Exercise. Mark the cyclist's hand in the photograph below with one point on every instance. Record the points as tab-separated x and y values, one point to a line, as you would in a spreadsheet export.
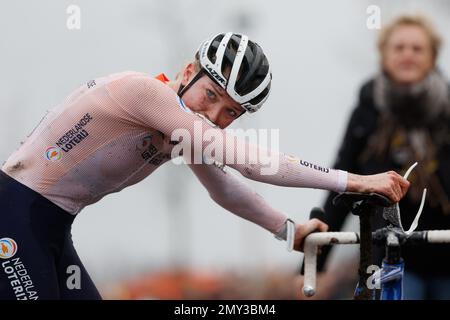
389	184
302	230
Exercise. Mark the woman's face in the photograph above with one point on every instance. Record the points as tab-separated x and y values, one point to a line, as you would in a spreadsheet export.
210	100
407	56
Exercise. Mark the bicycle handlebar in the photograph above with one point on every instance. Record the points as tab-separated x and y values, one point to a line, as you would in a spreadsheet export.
314	240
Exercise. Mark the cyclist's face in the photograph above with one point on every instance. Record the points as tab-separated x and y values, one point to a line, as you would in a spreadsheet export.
210	100
407	57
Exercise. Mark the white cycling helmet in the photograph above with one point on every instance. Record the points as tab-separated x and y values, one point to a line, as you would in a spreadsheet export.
249	74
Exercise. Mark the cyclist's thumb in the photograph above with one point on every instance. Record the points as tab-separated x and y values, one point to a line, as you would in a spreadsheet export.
314	225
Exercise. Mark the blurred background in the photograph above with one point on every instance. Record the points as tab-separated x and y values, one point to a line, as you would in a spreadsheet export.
165	238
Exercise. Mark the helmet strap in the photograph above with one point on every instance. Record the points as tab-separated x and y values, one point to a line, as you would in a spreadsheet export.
183	89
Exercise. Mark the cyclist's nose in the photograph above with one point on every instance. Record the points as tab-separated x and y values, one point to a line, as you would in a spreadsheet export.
213	116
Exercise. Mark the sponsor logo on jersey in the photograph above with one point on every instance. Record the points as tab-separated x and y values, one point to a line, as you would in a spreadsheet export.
146	141
313	166
75	135
150	149
16	271
8	248
53	153
293	159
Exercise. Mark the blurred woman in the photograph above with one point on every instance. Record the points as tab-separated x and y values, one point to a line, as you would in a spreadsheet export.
403	116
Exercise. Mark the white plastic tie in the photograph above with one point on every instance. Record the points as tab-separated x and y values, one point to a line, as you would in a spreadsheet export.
415	222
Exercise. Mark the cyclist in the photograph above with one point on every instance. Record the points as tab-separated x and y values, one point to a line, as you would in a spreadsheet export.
116	130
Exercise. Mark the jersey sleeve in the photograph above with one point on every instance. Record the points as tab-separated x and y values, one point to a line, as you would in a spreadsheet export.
148	102
234	195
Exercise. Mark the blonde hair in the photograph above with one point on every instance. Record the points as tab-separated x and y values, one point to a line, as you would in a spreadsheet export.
411	20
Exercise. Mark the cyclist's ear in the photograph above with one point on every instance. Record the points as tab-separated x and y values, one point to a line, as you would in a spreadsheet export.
187	74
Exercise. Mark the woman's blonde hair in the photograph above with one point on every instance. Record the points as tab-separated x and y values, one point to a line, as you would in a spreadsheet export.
411	20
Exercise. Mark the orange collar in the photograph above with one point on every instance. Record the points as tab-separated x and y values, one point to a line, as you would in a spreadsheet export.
162	77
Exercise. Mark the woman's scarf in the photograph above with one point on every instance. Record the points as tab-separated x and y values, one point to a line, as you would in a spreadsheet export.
413	126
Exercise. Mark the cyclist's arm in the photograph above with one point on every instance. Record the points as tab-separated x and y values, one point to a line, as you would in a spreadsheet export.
149	103
234	195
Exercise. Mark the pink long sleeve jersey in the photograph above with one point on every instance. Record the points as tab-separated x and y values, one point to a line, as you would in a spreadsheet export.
114	131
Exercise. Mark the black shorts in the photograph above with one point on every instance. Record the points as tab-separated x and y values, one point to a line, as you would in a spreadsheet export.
37	256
